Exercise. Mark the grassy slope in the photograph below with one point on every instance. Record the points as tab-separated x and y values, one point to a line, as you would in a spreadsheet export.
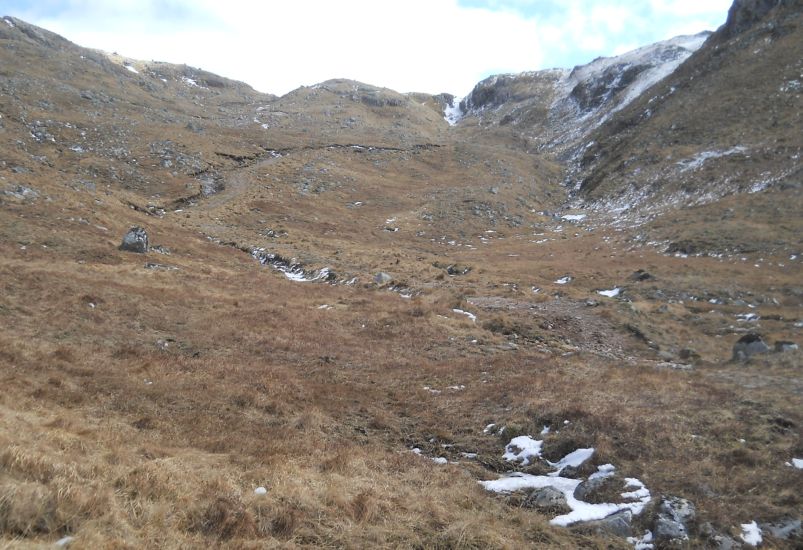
110	436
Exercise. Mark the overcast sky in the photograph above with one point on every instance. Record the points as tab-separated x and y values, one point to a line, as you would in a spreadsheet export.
414	45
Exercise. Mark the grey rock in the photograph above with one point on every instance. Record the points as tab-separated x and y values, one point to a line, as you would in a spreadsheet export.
688	354
154	266
547	498
21	192
211	184
783	346
588	487
382	278
20	170
784	529
673	519
640	276
616	524
717	540
136	240
749	345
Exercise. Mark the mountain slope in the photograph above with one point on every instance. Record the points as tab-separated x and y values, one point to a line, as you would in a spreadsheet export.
352	312
727	120
556	109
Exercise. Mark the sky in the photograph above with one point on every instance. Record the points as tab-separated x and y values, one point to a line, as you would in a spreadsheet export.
410	45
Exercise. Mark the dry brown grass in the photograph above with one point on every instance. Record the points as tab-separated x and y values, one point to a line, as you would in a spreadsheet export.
142	408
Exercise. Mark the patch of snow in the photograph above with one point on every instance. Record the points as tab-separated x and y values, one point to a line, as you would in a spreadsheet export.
489	428
574	217
64	541
11	24
797	463
643	543
581	511
467	314
260	491
439	460
324	306
573	459
751	533
640	490
545	430
696	162
453	113
191	82
564	280
131	68
613	293
522	449
747	317
469	455
606	470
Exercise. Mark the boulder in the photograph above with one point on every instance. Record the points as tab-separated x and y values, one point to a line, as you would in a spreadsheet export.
617	524
136	240
673	519
382	278
749	345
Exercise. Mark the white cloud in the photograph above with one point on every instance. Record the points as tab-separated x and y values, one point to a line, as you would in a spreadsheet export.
416	45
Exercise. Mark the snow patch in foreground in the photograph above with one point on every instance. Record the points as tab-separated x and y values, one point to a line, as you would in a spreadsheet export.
797	463
581	510
564	280
751	533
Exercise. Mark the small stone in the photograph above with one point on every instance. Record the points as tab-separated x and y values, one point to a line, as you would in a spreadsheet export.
547	498
688	354
136	240
640	276
783	346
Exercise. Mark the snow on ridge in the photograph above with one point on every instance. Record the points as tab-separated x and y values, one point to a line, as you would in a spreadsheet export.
9	22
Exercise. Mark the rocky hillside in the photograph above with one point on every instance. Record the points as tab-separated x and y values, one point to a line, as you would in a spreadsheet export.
556	109
727	120
564	312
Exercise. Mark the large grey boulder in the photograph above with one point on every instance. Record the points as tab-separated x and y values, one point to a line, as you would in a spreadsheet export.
749	345
382	278
136	240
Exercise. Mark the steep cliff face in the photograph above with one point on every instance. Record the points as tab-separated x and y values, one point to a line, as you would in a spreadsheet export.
555	109
727	120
